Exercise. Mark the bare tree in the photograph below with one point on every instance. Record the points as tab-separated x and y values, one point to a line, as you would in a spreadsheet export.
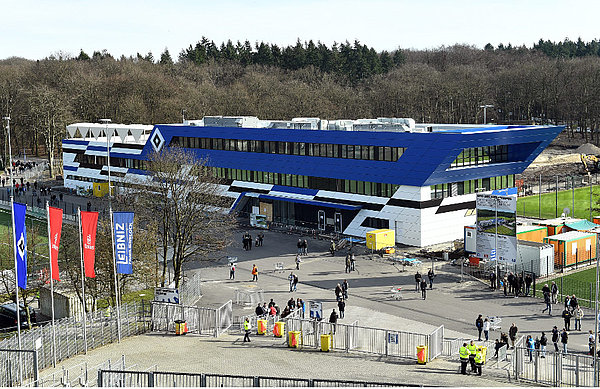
183	199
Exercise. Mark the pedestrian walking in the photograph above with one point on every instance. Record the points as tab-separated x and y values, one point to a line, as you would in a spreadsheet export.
505	285
297	261
338	292
566	315
345	289
554	291
423	289
261	237
341	307
543	344
564	339
492	280
333	319
578	316
299	244
232	272
512	333
291	281
249	241
547	301
247	328
479	325
352	262
417	281
555	336
295	283
430	277
347	268
305	247
254	273
486	329
245	241
332	248
591	343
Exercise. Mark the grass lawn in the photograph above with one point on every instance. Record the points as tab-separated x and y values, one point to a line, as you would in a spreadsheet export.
529	205
577	284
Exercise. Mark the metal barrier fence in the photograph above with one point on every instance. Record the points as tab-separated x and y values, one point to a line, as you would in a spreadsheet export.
116	378
100	330
249	297
18	367
200	320
550	368
436	343
191	290
361	339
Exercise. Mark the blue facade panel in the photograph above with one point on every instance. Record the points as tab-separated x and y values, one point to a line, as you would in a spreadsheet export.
426	160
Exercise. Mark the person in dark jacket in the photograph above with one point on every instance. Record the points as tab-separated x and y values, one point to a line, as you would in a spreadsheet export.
512	333
566	315
543	344
423	289
564	338
555	335
528	282
341	307
417	281
333	319
479	325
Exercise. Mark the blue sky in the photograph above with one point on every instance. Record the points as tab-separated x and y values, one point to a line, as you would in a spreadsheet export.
35	29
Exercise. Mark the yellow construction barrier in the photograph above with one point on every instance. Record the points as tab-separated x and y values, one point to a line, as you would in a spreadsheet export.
422	354
294	339
325	342
261	326
278	329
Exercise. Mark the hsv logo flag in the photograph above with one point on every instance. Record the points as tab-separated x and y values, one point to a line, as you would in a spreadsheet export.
20	239
123	230
89	224
55	217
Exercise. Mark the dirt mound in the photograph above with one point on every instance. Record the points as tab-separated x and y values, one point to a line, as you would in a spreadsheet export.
588	148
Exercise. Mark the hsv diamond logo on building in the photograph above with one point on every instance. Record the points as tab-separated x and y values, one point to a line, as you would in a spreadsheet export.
157	140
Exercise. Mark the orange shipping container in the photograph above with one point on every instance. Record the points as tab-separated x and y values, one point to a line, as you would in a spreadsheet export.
532	233
573	247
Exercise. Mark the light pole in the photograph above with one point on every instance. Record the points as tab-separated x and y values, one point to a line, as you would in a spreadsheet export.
106	121
485	107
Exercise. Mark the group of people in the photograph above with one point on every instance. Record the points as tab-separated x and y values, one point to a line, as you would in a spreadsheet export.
302	246
272	309
513	284
247	240
572	309
471	354
421	283
341	295
350	262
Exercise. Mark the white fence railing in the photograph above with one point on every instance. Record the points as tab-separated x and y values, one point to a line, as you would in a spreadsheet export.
249	297
190	290
200	320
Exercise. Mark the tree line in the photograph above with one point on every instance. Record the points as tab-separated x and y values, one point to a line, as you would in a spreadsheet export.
447	85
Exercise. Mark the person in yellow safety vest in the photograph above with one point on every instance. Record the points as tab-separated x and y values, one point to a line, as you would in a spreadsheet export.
247	328
472	348
464	358
479	360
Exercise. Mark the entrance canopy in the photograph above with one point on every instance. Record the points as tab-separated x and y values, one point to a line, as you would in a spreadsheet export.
311	202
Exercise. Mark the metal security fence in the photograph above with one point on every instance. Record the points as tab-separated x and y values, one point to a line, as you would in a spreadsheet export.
191	290
100	330
18	367
116	378
249	297
436	343
200	320
361	339
550	368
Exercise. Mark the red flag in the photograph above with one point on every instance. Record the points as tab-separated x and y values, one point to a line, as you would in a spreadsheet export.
55	217
89	223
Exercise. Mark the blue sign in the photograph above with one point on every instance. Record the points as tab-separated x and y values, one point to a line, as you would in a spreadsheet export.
20	239
393	338
123	229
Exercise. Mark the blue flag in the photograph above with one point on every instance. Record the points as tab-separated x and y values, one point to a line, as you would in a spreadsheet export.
123	229
20	239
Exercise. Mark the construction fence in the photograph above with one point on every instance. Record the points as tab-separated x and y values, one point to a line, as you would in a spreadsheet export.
190	290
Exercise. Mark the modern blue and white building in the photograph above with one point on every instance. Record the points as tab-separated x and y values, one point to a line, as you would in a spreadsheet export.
352	176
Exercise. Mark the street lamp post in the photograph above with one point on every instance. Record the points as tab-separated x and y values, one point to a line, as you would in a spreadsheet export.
485	107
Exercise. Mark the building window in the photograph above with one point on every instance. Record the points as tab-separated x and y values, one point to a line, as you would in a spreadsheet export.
374	222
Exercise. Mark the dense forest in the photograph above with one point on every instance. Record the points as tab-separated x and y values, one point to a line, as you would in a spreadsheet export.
546	83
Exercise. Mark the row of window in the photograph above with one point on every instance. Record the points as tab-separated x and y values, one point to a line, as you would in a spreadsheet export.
481	156
371	153
471	186
374	222
99	161
320	183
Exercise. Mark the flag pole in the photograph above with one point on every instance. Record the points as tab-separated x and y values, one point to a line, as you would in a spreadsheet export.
82	282
12	211
51	286
112	235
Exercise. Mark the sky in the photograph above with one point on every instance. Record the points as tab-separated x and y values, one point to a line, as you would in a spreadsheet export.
35	29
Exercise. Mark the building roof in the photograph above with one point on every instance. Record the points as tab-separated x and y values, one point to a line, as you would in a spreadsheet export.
582	225
571	235
521	229
558	221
